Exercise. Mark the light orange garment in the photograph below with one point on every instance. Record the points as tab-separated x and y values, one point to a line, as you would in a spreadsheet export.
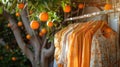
72	56
79	36
73	59
57	40
63	58
87	44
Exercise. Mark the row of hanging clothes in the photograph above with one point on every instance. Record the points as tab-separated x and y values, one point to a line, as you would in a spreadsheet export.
89	44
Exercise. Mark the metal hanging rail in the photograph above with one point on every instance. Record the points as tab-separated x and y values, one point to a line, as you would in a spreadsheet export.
92	14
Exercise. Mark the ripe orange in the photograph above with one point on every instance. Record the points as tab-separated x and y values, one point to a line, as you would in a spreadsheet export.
108	6
41	34
67	9
81	6
17	14
21	5
50	24
43	16
9	25
14	58
108	30
20	24
34	24
30	12
43	31
28	36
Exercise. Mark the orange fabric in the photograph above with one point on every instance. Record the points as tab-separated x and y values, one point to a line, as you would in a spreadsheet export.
85	47
73	54
87	44
71	59
79	36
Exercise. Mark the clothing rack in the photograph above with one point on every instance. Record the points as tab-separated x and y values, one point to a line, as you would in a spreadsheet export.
93	14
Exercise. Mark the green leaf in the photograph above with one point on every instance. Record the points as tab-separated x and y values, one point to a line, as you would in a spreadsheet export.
1	11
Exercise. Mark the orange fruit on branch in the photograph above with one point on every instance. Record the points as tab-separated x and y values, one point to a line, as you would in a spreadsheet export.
17	14
9	25
41	34
50	24
20	24
43	31
14	59
43	16
34	24
21	5
81	6
67	9
28	36
30	12
108	6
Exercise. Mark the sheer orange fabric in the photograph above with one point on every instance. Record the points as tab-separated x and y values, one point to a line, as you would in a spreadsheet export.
71	49
87	44
73	54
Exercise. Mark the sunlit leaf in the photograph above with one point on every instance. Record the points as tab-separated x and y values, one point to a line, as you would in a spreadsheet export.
1	10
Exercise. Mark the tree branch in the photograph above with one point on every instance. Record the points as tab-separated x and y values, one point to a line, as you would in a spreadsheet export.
26	21
50	51
18	36
34	38
45	42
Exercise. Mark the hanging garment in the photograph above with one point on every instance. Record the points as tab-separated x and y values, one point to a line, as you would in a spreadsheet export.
87	43
63	44
58	44
73	53
68	40
103	50
57	40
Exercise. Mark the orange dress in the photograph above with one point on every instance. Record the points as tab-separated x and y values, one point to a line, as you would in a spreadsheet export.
80	36
73	53
87	40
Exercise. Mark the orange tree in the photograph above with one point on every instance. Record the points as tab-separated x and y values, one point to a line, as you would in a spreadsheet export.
37	21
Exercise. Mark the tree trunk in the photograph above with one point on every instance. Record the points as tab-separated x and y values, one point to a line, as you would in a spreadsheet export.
34	64
34	40
44	60
45	54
